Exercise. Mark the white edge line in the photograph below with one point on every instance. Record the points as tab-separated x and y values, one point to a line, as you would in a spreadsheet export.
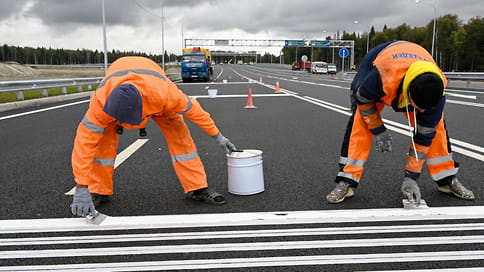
120	158
44	109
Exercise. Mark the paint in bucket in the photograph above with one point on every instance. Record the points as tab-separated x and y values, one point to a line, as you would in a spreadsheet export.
212	93
245	172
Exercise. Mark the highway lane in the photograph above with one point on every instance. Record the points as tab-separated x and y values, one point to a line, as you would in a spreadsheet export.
300	138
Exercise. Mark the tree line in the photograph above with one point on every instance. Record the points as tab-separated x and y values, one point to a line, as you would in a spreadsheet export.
50	56
458	46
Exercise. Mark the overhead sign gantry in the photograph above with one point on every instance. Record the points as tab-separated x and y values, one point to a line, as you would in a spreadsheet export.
272	43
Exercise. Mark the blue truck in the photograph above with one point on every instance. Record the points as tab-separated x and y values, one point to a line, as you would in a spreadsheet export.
196	64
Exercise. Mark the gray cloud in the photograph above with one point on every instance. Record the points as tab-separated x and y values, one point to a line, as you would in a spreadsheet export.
136	23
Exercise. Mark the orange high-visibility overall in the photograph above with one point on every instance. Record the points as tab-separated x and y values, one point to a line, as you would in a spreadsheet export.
96	142
389	64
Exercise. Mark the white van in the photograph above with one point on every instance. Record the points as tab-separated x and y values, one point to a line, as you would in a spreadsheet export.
331	69
319	67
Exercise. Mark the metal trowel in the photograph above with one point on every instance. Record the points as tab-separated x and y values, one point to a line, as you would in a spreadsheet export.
98	219
412	205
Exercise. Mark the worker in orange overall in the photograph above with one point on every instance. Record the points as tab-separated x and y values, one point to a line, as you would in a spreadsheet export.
402	75
133	91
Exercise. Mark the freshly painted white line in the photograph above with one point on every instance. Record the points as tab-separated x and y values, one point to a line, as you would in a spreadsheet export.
262	262
241	219
120	158
42	110
250	246
238	234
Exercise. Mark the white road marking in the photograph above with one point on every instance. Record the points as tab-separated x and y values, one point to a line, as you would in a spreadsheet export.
241	219
41	110
238	234
465	103
461	95
247	246
344	259
120	158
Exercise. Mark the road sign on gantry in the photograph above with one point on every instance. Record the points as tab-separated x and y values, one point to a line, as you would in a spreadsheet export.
294	43
316	43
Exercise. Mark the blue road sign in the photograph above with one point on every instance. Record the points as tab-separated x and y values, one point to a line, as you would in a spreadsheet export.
294	43
343	52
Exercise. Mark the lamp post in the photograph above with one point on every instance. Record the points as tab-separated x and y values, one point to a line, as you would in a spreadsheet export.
435	14
105	42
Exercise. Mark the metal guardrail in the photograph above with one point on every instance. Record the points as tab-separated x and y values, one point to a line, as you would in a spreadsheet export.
45	84
466	76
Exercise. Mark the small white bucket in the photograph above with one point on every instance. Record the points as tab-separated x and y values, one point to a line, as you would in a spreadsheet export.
245	172
212	93
224	81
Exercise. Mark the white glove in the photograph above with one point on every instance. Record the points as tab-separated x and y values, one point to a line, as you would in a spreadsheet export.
410	190
82	204
224	143
384	142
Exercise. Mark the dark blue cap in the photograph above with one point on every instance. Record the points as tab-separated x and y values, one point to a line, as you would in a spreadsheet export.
125	104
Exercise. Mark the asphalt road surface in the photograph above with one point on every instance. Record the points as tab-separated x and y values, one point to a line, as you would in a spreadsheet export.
151	225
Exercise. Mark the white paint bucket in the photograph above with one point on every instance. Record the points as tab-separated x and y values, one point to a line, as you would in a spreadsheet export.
245	172
224	81
212	93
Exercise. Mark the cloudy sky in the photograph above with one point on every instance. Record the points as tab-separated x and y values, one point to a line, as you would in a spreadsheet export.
135	25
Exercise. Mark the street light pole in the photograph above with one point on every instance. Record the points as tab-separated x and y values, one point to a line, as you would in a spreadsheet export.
435	15
162	40
105	42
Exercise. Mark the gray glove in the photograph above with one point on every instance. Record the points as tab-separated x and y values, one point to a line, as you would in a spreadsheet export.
224	143
82	204
410	190
383	142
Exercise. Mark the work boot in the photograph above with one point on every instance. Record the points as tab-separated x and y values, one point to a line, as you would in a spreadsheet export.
208	196
456	188
340	192
98	199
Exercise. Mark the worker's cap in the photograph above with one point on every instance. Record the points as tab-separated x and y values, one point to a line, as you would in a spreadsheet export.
426	90
124	103
425	84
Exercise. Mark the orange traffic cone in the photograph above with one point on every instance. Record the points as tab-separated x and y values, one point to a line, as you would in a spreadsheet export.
260	80
230	76
250	104
277	87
